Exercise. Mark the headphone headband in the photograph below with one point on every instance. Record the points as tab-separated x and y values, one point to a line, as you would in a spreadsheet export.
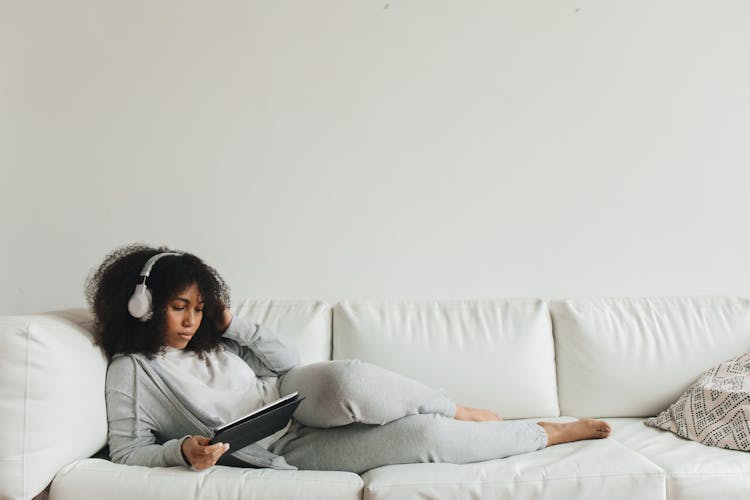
139	305
146	271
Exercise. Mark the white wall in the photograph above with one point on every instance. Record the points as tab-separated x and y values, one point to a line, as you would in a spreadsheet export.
379	149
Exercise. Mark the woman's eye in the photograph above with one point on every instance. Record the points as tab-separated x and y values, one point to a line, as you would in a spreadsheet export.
199	310
178	308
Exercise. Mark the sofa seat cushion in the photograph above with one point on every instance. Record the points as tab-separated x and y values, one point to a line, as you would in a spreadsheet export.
593	469
96	478
693	471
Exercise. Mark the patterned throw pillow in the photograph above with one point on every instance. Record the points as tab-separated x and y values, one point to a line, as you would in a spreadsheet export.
715	410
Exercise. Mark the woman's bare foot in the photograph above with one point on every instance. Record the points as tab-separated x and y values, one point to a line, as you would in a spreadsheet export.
575	431
476	414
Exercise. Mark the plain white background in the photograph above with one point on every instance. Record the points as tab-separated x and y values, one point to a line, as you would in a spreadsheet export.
379	149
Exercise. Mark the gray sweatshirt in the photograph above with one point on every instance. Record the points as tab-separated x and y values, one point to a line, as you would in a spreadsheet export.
149	416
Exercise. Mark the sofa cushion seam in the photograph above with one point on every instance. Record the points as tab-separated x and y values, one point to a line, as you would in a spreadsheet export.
592	476
168	472
25	411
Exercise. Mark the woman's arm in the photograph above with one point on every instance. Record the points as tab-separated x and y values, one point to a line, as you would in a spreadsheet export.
266	353
200	453
132	428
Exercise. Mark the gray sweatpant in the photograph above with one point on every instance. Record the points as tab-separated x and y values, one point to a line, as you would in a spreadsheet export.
358	416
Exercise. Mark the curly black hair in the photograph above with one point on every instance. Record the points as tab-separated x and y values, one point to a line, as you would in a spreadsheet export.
108	290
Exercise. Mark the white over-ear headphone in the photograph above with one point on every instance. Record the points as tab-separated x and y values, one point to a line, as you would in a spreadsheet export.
139	305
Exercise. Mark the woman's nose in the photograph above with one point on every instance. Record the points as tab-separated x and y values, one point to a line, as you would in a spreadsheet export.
188	318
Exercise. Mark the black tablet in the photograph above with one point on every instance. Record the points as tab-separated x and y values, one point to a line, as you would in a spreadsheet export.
257	424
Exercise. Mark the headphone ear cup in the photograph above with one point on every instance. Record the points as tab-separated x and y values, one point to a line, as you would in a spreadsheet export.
139	304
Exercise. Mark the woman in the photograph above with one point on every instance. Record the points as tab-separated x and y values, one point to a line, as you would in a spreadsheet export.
181	365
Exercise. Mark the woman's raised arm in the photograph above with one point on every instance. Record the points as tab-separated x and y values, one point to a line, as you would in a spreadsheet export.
266	353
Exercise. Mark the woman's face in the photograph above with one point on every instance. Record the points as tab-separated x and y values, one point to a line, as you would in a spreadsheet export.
184	314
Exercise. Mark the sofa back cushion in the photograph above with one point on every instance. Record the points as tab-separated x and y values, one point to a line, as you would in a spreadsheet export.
51	398
496	354
634	357
306	324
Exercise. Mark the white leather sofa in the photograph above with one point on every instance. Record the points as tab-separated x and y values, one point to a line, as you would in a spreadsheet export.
619	359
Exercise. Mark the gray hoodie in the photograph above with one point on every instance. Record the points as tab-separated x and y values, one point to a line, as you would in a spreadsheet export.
149	417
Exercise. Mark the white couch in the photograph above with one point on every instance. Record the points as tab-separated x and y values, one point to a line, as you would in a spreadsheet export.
619	359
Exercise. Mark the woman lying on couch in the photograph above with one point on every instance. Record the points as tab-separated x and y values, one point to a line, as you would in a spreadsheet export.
182	365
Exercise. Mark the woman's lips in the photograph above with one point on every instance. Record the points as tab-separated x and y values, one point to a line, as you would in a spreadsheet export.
186	336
